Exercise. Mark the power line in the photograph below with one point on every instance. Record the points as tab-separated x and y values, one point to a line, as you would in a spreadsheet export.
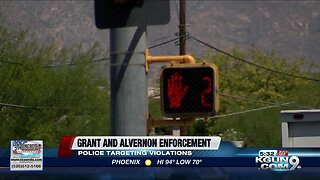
163	38
93	61
171	40
56	66
163	43
97	60
100	60
19	106
262	102
11	62
249	111
253	100
76	64
253	64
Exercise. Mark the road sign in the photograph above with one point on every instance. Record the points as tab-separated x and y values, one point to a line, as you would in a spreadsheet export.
129	13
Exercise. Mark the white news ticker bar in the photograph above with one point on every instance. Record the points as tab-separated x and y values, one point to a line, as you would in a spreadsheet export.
97	142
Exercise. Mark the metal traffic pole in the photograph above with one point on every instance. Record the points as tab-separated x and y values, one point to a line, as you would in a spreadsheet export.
128	81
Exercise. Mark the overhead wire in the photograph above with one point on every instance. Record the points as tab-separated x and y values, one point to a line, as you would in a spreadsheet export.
202	42
75	64
262	102
18	106
251	63
163	43
243	112
253	101
10	62
95	60
162	38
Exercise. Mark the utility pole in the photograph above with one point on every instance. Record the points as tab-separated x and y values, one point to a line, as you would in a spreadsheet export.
128	81
182	49
182	28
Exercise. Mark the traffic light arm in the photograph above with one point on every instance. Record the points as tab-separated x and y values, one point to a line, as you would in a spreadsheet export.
161	59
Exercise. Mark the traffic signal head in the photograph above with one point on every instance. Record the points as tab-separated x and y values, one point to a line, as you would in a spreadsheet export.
189	90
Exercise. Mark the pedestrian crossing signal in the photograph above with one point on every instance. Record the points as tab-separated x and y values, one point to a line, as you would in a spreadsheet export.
189	90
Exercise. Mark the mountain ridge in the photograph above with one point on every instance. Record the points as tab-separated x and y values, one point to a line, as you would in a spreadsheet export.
290	28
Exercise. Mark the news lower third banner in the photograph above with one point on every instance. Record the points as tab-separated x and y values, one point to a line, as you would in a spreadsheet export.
186	151
119	146
158	151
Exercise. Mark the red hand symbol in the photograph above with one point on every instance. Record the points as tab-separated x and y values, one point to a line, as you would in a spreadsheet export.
175	90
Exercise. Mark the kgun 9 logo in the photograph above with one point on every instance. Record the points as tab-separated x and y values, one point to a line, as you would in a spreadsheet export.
277	160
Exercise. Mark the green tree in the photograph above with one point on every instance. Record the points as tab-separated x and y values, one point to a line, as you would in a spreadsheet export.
65	93
259	128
